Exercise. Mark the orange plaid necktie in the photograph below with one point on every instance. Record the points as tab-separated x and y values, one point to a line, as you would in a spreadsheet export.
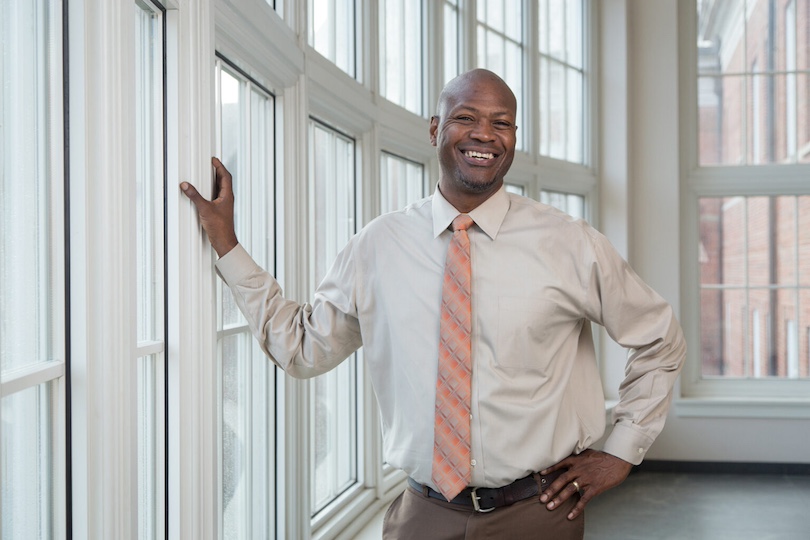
451	440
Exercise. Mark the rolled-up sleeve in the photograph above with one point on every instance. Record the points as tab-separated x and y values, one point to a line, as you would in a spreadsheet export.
304	340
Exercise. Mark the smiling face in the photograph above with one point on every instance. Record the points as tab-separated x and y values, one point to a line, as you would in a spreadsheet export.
475	133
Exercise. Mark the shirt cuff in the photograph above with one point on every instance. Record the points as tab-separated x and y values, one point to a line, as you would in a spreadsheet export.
236	265
628	443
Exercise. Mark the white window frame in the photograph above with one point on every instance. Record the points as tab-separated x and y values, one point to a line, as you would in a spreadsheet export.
761	398
51	375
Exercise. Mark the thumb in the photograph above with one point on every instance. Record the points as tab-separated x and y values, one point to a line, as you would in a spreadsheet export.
192	193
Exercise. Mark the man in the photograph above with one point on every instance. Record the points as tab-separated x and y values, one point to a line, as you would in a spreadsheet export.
478	339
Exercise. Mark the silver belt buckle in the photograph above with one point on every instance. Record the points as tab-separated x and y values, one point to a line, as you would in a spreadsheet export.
476	506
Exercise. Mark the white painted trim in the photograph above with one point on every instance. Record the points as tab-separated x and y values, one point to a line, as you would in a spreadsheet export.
743	408
193	486
31	375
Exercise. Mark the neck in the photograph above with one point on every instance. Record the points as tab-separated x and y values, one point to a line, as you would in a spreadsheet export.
466	202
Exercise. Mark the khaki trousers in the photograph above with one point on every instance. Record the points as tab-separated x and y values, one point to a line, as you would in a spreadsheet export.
414	516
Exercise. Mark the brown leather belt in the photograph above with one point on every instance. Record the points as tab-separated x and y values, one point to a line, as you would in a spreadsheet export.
487	499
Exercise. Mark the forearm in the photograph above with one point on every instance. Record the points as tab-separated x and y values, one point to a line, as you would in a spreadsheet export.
301	339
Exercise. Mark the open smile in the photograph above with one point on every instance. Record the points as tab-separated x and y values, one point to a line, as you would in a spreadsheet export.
479	158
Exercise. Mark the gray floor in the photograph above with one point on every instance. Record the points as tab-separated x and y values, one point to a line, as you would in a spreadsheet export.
678	506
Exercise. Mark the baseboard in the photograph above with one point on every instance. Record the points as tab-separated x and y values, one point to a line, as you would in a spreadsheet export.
722	467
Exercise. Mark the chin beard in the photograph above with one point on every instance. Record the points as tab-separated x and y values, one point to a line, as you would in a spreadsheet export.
478	187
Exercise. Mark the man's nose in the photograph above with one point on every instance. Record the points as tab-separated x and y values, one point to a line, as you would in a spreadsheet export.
483	131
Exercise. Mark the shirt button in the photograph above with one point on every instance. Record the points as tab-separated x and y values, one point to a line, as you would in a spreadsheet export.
472	463
640	450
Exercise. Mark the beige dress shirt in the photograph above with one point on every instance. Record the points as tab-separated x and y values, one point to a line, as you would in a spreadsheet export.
538	278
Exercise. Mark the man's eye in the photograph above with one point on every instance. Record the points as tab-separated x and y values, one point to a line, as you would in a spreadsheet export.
465	118
503	124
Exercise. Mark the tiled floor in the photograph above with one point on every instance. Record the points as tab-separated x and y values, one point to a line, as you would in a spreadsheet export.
705	506
675	506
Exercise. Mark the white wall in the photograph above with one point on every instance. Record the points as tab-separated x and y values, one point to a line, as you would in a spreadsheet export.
655	174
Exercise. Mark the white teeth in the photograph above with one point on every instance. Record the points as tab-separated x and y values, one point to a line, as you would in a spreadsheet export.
479	155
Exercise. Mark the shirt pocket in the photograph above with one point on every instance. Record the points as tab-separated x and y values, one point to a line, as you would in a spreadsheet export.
523	329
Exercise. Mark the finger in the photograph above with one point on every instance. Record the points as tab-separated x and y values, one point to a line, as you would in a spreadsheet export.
224	180
192	193
563	494
579	507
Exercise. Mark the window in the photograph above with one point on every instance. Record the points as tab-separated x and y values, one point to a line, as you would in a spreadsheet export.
751	245
500	46
332	32
570	203
562	102
401	53
754	268
451	40
247	379
753	90
333	396
150	351
32	272
402	182
515	188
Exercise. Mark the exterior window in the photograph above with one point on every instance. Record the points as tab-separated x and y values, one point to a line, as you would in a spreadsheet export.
333	395
150	185
332	32
451	40
402	182
751	245
791	64
401	53
247	379
515	188
570	203
753	86
32	270
500	46
562	79
754	285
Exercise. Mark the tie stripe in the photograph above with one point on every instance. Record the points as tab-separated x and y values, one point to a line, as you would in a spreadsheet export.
451	448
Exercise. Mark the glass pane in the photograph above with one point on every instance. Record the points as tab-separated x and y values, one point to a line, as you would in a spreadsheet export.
400	68
147	445
27	459
331	31
570	203
802	118
556	30
333	405
514	188
232	130
149	172
32	231
451	22
721	29
752	252
804	240
401	183
803	332
711	331
756	111
234	356
575	101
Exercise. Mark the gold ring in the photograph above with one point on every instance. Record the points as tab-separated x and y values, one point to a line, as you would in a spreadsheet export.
574	483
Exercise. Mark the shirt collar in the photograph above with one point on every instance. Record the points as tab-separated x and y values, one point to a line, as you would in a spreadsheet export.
489	215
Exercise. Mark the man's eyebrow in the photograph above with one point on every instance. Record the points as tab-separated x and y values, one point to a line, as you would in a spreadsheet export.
462	108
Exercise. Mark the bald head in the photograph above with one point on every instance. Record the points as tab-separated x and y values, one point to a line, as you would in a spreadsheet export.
470	80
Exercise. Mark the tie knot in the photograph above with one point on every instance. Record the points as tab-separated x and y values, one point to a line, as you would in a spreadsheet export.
462	222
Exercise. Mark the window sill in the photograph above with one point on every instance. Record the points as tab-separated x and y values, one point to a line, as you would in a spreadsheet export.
742	408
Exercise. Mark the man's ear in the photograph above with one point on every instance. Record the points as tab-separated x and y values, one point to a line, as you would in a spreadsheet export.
434	127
